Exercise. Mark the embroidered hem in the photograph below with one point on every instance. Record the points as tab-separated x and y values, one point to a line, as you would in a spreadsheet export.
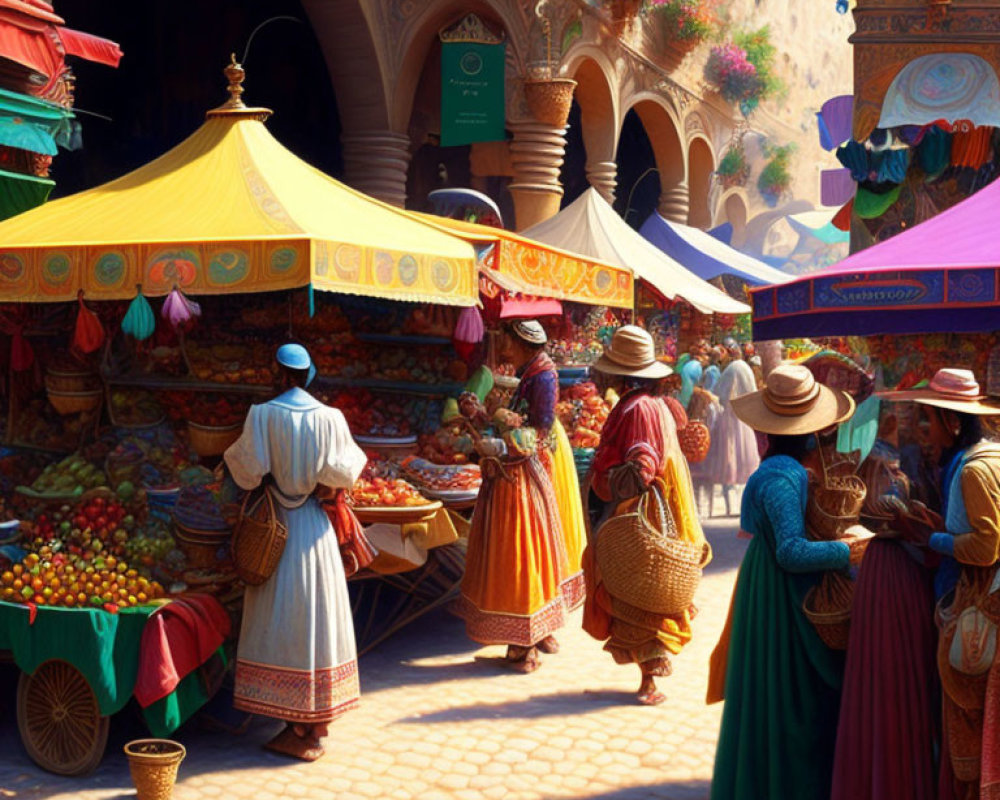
494	627
574	591
296	695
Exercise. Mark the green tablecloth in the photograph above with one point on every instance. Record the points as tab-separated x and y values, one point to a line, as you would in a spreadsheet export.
104	648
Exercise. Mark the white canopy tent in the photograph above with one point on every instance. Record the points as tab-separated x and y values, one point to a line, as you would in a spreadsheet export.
590	226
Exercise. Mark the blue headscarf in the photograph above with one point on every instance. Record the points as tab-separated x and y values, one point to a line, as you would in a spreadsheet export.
711	377
690	375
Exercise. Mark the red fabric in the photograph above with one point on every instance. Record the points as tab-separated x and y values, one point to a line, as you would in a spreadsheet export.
41	11
355	549
520	307
633	432
178	638
842	219
93	48
32	48
989	780
887	732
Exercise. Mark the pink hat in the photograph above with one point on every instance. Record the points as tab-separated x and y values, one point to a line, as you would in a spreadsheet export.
951	389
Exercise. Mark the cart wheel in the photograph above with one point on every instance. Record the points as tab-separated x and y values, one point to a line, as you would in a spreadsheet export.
61	726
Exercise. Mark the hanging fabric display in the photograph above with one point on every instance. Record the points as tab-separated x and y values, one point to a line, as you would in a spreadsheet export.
469	332
139	321
854	156
88	334
971	148
869	205
934	151
179	311
890	166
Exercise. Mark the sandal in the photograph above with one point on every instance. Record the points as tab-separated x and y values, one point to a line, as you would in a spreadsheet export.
287	743
548	645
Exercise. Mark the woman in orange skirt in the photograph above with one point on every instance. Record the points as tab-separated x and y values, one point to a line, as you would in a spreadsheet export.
518	575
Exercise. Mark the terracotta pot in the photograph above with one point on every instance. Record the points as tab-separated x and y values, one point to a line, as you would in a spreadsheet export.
550	99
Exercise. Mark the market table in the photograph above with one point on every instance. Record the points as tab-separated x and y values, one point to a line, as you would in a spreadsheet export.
78	667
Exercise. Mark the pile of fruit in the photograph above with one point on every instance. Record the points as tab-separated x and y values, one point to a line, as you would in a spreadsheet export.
209	409
583	412
450	444
248	363
149	546
385	493
74	582
135	407
73	475
439	478
88	530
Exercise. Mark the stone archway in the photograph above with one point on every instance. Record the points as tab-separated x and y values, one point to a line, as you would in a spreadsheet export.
598	120
734	208
701	165
660	124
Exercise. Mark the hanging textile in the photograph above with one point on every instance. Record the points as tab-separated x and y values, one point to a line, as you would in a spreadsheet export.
971	147
88	333
934	151
890	166
139	321
868	204
854	156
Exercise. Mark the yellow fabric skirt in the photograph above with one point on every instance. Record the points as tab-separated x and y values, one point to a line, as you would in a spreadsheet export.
512	591
566	484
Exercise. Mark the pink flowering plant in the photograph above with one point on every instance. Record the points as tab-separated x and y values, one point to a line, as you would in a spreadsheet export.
684	20
728	70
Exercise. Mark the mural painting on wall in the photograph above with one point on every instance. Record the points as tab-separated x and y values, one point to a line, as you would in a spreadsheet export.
472	84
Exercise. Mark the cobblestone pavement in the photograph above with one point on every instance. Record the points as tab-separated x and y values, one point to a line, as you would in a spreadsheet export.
438	720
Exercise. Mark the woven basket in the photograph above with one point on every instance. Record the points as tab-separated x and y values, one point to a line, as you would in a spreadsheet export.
71	380
647	567
831	621
67	403
695	441
258	540
209	441
153	764
835	507
200	547
550	99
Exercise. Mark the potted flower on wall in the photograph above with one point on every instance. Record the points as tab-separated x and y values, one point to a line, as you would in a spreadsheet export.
733	169
775	178
742	70
673	28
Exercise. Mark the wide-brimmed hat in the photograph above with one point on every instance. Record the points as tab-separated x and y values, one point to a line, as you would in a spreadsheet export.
793	403
631	352
951	389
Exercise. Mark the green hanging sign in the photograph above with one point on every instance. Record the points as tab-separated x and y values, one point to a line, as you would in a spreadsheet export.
472	92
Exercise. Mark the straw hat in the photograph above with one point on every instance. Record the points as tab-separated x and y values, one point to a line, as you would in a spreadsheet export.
792	403
951	389
631	352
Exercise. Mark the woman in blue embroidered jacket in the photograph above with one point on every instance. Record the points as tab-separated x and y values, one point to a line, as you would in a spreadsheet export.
780	681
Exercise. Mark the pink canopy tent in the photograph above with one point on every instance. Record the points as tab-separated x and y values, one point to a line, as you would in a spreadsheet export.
941	275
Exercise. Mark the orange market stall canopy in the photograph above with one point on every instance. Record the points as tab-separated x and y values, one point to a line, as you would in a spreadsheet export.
229	210
520	265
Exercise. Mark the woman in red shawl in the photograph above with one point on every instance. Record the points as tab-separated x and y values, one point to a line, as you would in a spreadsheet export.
638	453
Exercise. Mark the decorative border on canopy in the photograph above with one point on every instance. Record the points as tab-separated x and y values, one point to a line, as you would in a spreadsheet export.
563	277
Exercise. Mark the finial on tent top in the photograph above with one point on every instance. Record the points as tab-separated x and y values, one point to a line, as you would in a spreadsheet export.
235	74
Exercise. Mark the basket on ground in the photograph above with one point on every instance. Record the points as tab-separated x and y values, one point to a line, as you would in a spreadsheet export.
207	440
200	547
71	380
153	764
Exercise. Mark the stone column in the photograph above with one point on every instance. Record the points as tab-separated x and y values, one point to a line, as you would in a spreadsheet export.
376	163
675	203
603	176
536	155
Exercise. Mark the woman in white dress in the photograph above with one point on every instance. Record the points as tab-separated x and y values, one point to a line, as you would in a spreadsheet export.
733	456
297	659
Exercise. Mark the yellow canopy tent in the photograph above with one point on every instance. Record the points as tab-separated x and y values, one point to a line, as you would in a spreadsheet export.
229	209
516	263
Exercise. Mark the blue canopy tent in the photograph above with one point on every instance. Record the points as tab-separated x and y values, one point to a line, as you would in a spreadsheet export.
706	256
